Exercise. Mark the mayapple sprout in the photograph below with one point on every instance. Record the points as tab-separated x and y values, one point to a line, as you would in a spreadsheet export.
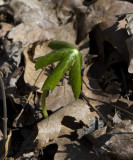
69	57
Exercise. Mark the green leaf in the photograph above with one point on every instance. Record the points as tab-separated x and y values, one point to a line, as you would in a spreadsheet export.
67	55
52	57
56	75
75	76
60	44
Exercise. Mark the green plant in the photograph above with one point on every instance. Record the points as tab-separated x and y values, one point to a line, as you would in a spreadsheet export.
69	57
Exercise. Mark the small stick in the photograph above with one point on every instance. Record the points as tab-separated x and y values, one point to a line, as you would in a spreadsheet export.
4	106
123	110
96	110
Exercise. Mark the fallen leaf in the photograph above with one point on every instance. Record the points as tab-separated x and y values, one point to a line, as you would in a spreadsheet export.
62	123
31	28
61	96
121	136
10	57
92	89
35	76
71	148
88	17
50	128
109	30
66	9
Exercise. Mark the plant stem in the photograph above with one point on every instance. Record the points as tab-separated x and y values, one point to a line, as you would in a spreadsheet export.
43	103
4	107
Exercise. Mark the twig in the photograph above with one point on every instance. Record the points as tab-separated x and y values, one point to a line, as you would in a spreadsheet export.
4	106
123	110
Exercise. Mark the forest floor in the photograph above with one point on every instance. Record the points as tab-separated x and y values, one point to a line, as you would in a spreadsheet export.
97	126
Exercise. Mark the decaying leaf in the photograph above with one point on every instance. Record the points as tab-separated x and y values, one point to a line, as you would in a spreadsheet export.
30	70
92	89
66	9
61	96
10	57
121	136
27	27
50	128
62	123
71	148
31	28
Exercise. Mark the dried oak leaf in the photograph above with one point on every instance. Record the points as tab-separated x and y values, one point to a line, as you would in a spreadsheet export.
62	123
37	21
51	128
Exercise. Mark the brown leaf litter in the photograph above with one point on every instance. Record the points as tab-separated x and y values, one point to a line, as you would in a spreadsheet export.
102	30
